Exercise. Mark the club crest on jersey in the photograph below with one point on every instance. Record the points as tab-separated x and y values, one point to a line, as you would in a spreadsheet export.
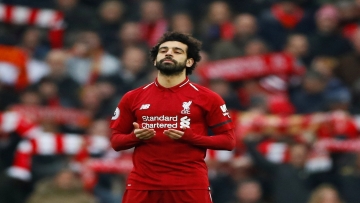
224	110
186	106
116	114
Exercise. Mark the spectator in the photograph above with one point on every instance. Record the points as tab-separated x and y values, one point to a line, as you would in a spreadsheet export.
224	89
49	92
349	64
7	96
30	97
153	22
349	180
298	46
31	43
325	194
128	35
336	93
77	16
91	101
90	60
310	96
327	40
349	16
255	47
245	28
64	187
68	88
281	19
216	25
291	182
182	22
135	67
111	14
248	191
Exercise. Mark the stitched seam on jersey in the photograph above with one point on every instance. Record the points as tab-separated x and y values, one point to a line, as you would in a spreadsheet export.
219	124
184	83
194	87
148	85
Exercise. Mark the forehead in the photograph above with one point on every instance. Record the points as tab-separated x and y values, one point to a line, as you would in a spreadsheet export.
174	44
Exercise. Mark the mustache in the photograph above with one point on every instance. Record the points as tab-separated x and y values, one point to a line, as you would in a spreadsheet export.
168	58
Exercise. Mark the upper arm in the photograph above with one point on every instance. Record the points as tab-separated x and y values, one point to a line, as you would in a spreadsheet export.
123	118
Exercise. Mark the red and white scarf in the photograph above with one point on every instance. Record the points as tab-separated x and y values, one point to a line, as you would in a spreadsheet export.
44	18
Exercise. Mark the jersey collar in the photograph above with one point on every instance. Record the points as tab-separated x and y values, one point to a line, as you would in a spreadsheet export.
175	88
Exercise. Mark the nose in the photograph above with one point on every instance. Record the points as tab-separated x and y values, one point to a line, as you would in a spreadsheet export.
169	53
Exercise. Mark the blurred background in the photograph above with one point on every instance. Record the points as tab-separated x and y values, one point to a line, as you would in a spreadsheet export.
289	71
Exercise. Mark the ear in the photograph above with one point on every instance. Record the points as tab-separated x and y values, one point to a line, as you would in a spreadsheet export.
154	62
189	62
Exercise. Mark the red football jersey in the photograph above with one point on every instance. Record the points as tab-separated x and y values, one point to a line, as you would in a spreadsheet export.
161	163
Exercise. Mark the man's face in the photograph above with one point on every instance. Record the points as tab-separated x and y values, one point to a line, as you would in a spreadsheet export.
172	58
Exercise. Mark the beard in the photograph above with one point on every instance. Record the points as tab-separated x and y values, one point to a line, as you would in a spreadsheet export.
170	69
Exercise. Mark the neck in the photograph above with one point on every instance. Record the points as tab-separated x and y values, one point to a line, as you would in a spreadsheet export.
170	81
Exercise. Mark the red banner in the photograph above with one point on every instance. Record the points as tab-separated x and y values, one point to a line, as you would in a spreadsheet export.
251	67
54	114
316	125
334	145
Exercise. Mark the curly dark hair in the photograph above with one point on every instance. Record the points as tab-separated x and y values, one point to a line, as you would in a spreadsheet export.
194	47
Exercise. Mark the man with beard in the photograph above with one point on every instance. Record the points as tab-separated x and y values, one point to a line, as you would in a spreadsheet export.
167	123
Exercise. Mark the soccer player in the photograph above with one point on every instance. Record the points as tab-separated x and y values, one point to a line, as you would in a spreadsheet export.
167	122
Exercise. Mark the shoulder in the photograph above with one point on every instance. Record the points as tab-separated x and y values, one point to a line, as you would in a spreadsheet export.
201	89
204	92
140	90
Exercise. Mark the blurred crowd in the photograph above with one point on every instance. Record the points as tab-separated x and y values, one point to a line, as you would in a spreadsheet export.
297	133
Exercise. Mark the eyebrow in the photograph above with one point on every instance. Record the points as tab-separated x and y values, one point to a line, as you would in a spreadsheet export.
176	48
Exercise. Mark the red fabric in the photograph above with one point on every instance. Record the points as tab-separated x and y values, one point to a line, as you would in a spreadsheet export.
335	127
324	125
288	20
34	147
56	33
227	31
268	149
15	122
280	105
248	67
51	144
54	113
8	13
180	163
334	145
54	24
24	126
151	32
22	160
174	196
55	37
349	30
59	144
18	58
33	16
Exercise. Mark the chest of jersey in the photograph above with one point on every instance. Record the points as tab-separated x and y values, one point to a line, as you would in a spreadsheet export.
168	110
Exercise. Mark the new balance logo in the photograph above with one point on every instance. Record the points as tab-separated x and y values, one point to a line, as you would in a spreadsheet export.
224	110
144	106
